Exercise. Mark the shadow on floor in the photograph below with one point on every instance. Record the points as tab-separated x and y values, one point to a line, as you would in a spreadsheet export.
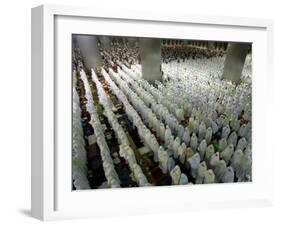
25	212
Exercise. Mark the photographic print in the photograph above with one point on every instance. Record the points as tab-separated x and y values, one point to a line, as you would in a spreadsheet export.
159	112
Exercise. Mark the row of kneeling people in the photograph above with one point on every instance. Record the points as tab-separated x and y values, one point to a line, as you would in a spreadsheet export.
79	156
125	150
107	162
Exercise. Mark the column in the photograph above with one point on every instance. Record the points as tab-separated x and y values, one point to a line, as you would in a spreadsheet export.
150	52
234	62
88	45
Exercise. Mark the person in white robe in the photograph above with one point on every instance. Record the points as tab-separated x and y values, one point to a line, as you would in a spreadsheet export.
175	175
209	177
228	177
168	135
202	168
236	159
171	164
225	132
208	154
193	141
162	131
235	124
176	145
215	158
220	170
194	162
191	125
215	127
202	148
163	161
243	172
196	126
183	179
242	130
202	131
180	132
227	153
182	153
180	114
186	136
222	144
232	139
242	144
208	136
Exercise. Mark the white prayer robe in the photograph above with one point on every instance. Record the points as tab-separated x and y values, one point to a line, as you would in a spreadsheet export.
202	168
175	174
202	148
194	162
228	177
227	153
208	136
193	141
209	177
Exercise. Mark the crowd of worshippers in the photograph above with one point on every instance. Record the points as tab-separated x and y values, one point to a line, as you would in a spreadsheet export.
185	52
202	137
119	51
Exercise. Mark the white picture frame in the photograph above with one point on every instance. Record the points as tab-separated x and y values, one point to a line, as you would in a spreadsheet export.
52	197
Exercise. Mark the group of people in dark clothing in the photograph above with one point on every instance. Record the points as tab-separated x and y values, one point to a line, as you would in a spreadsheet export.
183	52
